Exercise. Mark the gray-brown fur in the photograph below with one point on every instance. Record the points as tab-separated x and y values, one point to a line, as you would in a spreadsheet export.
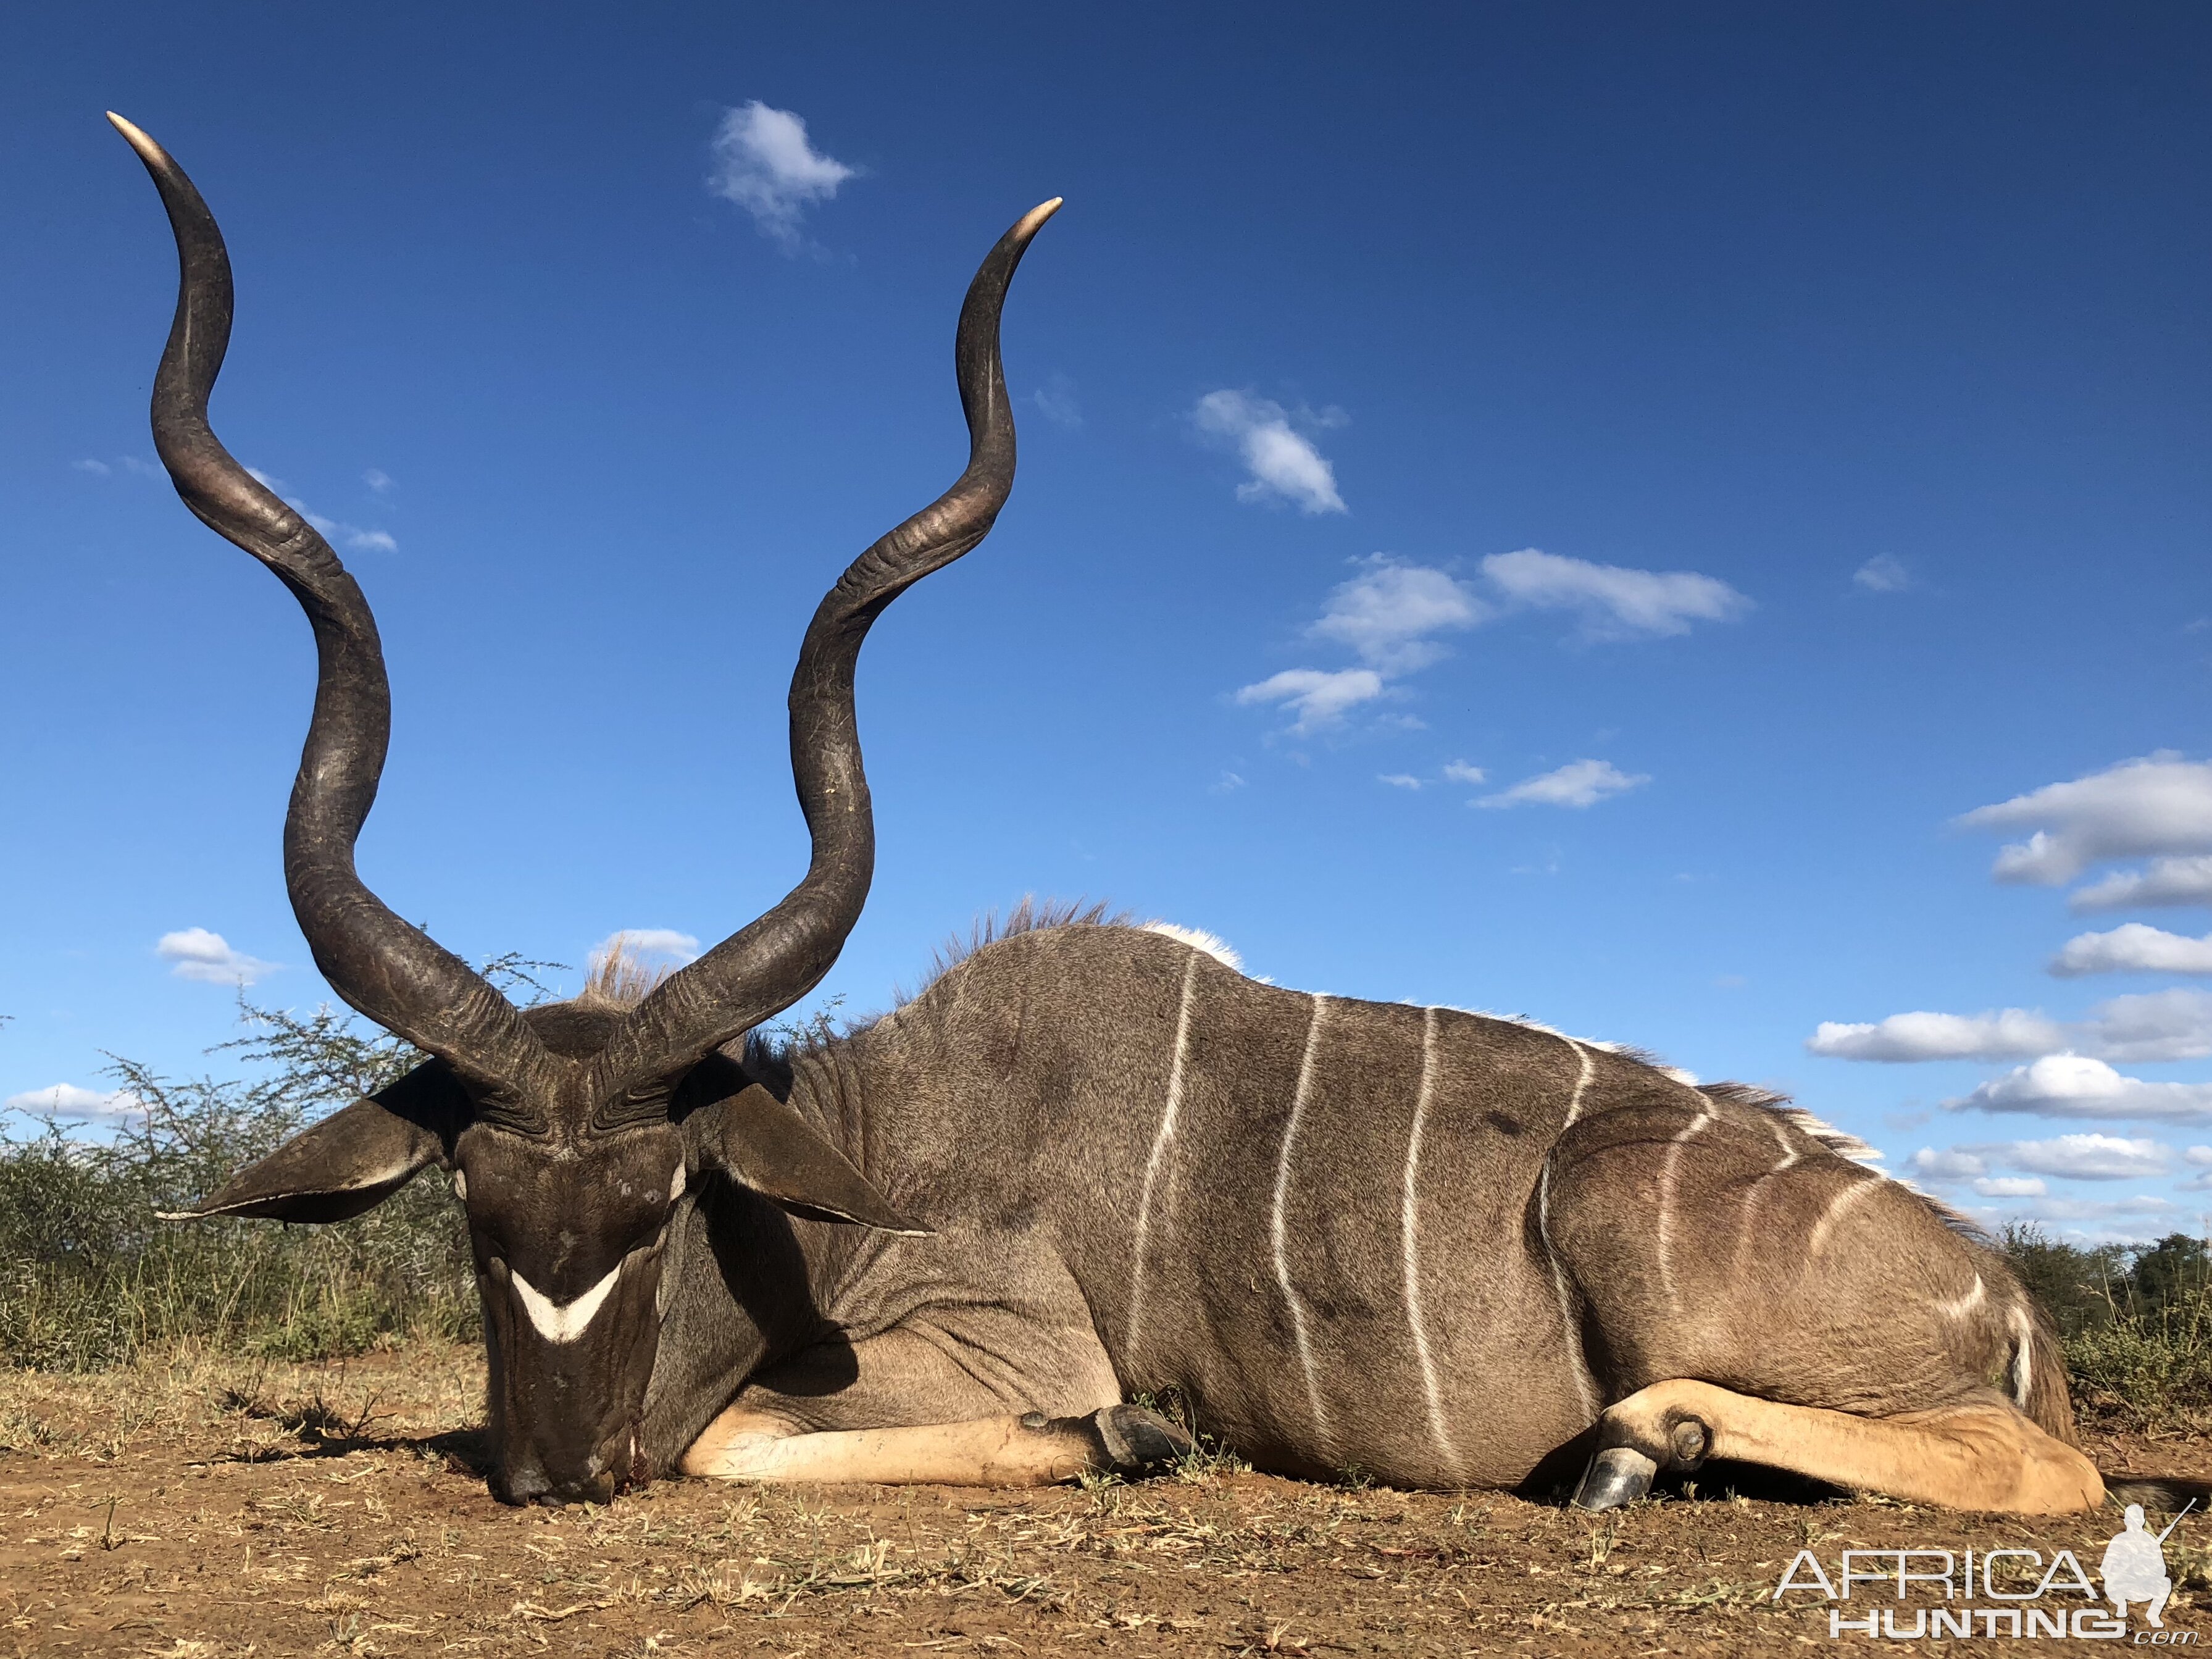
1015	1107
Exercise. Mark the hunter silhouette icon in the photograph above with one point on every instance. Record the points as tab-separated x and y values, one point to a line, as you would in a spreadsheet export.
2135	1567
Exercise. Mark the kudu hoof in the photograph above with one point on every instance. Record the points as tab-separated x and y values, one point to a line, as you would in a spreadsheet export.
1616	1477
1136	1441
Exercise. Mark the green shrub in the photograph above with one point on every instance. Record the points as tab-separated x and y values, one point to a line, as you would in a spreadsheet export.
88	1275
2136	1322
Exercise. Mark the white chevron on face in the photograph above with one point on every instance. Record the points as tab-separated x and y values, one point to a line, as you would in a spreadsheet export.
563	1321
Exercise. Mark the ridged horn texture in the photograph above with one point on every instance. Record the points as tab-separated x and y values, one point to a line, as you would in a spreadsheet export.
764	967
390	971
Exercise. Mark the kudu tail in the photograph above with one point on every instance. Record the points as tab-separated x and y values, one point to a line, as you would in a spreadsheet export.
2156	1492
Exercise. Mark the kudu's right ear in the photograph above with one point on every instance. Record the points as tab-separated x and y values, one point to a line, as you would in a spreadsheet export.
354	1159
760	1142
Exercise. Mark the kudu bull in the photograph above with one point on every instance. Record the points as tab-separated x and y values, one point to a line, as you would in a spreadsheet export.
1090	1160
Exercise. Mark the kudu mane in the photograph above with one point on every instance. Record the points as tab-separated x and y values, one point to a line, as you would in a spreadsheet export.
769	1058
621	976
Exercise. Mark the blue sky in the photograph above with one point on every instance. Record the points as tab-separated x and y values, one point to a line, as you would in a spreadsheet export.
1753	439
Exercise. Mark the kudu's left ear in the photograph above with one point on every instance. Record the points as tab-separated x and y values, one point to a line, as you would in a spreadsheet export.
353	1160
761	1143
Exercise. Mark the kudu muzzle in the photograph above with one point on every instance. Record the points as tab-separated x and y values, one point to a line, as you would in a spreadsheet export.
566	1410
568	1242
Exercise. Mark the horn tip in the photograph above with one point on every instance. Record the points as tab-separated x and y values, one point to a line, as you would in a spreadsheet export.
137	138
1031	222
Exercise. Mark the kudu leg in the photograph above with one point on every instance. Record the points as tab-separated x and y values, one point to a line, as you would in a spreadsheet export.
1030	1450
1985	1457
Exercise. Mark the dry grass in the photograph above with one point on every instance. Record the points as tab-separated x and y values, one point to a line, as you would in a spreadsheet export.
195	1505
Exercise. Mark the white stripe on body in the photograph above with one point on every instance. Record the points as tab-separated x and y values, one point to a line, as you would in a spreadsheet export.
1409	1236
1160	1139
1852	1195
1748	1216
2023	1334
1965	1305
1669	1178
562	1321
1782	1139
1577	1363
1280	1228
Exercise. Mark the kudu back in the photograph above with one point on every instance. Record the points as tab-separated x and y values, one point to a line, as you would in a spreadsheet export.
1089	1160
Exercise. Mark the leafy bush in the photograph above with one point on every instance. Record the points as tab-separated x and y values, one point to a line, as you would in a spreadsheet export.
2135	1323
88	1275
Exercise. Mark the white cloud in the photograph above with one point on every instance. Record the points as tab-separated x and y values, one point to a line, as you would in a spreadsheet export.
2083	1156
764	163
1319	698
2087	1209
662	942
1882	574
1952	1163
2165	882
337	530
69	1100
99	469
2006	1034
1387	612
208	958
1399	779
1055	400
2160	805
2156	1025
1615	602
1284	465
1391	613
356	539
2010	1187
377	479
2089	1156
1460	772
1227	783
1578	784
2133	948
2076	1086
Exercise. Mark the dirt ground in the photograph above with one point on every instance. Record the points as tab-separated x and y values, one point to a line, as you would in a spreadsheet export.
198	1507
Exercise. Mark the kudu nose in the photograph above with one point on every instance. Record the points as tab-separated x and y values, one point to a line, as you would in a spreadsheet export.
523	1483
599	1489
529	1484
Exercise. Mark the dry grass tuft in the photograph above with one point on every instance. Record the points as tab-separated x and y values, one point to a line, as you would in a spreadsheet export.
621	976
